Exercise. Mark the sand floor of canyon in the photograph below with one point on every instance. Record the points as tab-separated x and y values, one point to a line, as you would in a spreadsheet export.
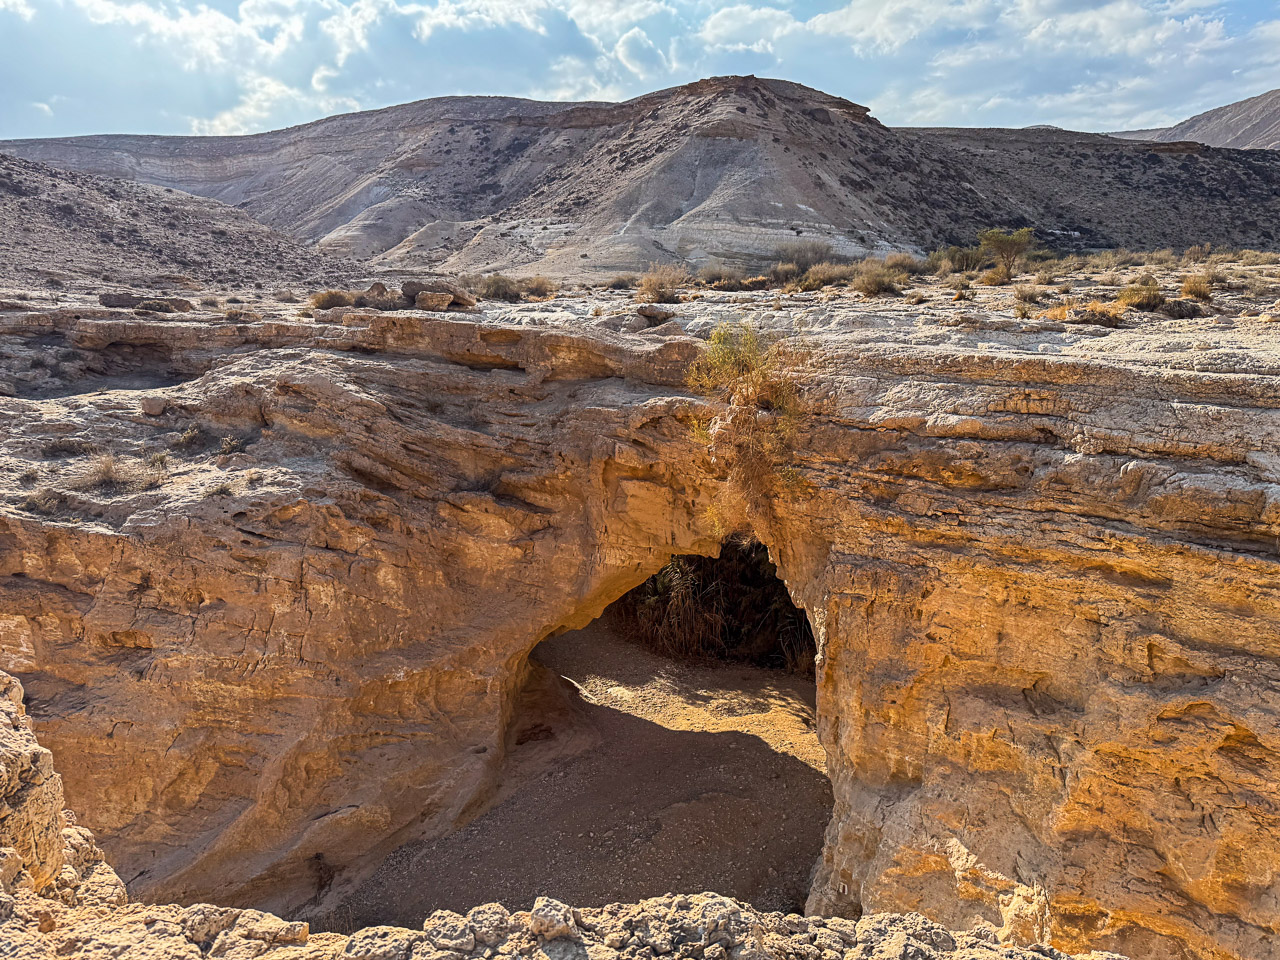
630	775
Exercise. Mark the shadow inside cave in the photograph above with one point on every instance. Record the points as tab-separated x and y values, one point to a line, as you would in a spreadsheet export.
629	774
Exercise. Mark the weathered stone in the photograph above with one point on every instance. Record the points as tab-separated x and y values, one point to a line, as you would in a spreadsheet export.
551	919
428	300
412	288
654	313
132	300
491	923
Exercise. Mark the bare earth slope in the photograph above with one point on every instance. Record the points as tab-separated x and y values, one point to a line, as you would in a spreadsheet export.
1247	124
58	227
727	168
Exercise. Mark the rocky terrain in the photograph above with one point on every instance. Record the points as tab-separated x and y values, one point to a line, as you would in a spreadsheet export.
273	576
723	169
1252	124
58	898
59	228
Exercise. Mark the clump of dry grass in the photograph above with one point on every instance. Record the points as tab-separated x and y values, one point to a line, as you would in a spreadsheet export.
1197	287
65	447
996	277
662	283
906	263
106	473
497	286
328	299
1141	296
804	253
46	501
755	378
193	438
540	287
623	281
1027	294
720	276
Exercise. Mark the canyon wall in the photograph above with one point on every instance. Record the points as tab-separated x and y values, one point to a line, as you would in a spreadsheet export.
1041	565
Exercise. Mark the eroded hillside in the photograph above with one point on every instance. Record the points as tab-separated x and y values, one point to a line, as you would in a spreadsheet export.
727	168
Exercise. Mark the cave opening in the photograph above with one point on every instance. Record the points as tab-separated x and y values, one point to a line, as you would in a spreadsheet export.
668	746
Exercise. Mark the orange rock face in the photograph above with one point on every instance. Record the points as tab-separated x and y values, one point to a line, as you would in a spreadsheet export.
1043	588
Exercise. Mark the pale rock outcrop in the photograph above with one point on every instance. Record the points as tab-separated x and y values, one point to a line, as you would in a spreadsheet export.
1040	561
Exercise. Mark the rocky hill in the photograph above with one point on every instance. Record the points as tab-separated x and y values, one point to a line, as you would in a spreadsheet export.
727	168
1247	124
59	227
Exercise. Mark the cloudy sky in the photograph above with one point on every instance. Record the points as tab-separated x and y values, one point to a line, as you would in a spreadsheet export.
221	66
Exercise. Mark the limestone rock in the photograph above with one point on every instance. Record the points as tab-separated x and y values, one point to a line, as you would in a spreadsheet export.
412	289
551	919
131	300
654	313
427	300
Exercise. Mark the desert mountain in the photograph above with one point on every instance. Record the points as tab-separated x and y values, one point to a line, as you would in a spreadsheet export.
58	226
723	168
1246	124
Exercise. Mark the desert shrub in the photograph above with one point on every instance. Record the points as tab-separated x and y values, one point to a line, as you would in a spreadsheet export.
874	279
222	488
1110	279
916	297
156	306
785	272
230	445
106	473
1007	249
959	283
1026	294
1021	310
1146	279
1063	288
721	276
1045	277
1198	288
209	302
1112	259
1259	258
540	286
45	501
237	315
995	277
965	294
328	299
28	476
961	259
755	378
193	438
734	607
1141	297
497	286
624	281
65	447
1161	258
804	253
1198	253
827	274
662	283
906	263
1215	276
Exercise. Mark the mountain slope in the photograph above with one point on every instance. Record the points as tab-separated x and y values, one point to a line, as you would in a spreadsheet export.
58	226
1246	124
725	168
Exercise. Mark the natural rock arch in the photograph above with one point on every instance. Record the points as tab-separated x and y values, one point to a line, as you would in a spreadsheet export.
1043	590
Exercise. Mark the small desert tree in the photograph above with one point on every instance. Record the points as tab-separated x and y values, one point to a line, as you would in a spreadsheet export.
1007	248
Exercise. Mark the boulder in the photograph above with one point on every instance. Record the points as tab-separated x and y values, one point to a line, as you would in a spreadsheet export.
460	297
430	300
655	313
551	919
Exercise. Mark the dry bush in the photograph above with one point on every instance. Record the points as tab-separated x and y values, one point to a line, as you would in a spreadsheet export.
65	447
755	379
916	297
1112	259
540	286
1110	279
1161	258
906	263
956	259
107	474
965	294
623	281
875	279
996	277
785	272
497	286
328	299
1259	258
662	283
193	438
804	253
828	274
209	302
1198	253
45	501
1063	288
1216	276
1046	276
1141	297
1026	294
156	306
1198	288
722	277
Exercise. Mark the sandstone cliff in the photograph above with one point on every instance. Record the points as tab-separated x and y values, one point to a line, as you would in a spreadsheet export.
58	898
1040	561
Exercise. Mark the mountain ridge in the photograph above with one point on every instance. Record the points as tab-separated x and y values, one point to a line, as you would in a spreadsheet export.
722	169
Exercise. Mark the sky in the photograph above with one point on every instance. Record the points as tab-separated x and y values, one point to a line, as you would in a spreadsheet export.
224	67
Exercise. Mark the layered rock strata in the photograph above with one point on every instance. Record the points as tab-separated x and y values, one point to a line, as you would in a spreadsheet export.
1040	562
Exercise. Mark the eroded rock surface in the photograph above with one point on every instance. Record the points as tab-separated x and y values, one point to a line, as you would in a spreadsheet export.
1040	562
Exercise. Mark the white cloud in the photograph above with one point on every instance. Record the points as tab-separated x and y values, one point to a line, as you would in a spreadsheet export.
638	54
742	27
20	7
42	108
262	99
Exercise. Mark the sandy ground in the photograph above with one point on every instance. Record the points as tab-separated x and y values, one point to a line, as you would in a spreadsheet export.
630	775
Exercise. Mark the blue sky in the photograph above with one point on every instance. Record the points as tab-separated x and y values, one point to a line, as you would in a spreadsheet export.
181	66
